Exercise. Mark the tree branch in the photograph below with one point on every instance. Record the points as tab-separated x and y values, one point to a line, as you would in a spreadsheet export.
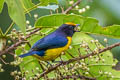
79	58
19	42
71	7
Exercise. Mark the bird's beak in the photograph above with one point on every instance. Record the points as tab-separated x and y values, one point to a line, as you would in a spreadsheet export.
76	29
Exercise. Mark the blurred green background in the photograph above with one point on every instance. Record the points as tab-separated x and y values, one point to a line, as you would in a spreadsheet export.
106	11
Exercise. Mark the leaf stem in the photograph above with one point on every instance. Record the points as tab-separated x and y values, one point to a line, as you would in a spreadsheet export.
10	27
29	9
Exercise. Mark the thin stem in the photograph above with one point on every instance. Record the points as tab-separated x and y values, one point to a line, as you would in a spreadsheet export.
10	27
70	54
1	32
62	9
35	6
25	8
3	61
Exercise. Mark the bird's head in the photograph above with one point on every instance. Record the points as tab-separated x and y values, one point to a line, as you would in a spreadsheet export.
69	28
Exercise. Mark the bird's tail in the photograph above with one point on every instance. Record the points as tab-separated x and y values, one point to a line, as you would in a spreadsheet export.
27	54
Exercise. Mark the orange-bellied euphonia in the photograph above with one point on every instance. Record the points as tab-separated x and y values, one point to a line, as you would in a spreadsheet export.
51	46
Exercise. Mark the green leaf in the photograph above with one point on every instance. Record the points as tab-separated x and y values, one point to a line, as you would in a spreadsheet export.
88	25
16	13
47	2
27	3
1	5
63	3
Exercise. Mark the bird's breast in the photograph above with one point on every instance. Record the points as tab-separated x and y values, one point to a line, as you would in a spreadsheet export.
52	54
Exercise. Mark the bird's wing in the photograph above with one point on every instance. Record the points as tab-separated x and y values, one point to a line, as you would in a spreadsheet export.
49	42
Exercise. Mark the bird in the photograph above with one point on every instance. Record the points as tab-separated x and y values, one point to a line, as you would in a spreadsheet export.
51	46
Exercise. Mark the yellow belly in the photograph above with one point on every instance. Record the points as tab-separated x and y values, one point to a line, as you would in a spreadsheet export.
52	54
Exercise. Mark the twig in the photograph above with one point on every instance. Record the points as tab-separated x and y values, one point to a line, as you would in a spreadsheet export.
19	42
3	61
51	12
70	54
62	9
71	7
10	27
41	66
1	32
50	69
11	53
78	58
